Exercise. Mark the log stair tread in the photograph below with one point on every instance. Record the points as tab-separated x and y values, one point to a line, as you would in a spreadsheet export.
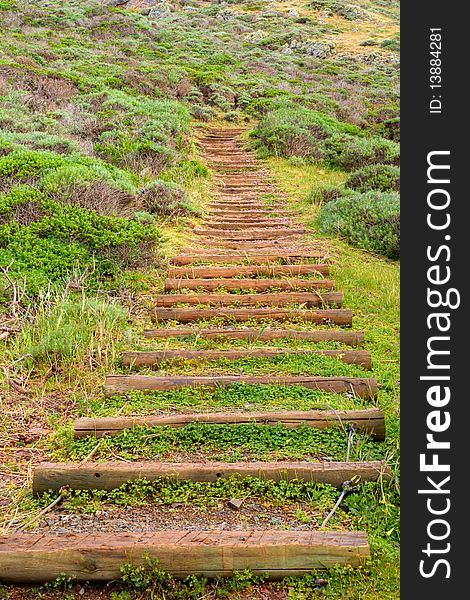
110	475
151	358
35	558
246	270
351	338
308	299
370	421
338	316
248	284
362	387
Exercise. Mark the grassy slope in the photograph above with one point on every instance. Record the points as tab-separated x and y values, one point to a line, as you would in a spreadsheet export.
212	67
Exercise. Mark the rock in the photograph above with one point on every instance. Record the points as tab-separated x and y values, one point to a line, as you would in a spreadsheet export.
114	3
293	13
235	503
313	48
50	522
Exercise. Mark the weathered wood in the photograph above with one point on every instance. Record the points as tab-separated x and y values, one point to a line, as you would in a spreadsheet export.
34	558
254	234
219	245
308	299
370	421
237	225
351	338
337	316
248	215
362	387
110	475
247	270
152	358
258	258
261	285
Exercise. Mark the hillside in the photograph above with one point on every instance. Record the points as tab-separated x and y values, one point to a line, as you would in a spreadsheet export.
107	172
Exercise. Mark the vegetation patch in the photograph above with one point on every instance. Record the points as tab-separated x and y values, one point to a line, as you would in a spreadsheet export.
370	221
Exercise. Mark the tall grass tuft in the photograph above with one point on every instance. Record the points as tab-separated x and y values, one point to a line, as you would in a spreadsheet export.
72	330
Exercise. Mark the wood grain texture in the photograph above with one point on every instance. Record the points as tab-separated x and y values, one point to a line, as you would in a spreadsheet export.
188	259
260	285
110	475
247	270
38	558
308	299
153	358
351	338
121	384
336	316
253	234
370	421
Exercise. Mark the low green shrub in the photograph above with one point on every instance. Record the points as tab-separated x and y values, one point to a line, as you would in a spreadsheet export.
293	130
370	221
350	152
165	199
384	178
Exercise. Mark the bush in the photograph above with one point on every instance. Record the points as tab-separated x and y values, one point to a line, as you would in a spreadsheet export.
165	199
370	221
293	130
383	178
349	152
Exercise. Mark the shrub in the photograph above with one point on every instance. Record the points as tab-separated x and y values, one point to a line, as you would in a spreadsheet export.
293	130
165	199
349	152
384	178
370	221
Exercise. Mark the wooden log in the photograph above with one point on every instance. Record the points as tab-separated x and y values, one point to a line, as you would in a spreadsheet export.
248	270
370	421
258	258
110	475
153	358
351	338
362	387
308	299
237	225
35	558
254	234
219	245
260	285
336	316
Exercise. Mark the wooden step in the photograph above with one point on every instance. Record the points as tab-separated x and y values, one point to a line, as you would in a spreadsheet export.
253	234
240	257
308	299
260	285
246	270
336	316
152	358
362	387
110	475
240	226
36	558
351	338
206	244
370	421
